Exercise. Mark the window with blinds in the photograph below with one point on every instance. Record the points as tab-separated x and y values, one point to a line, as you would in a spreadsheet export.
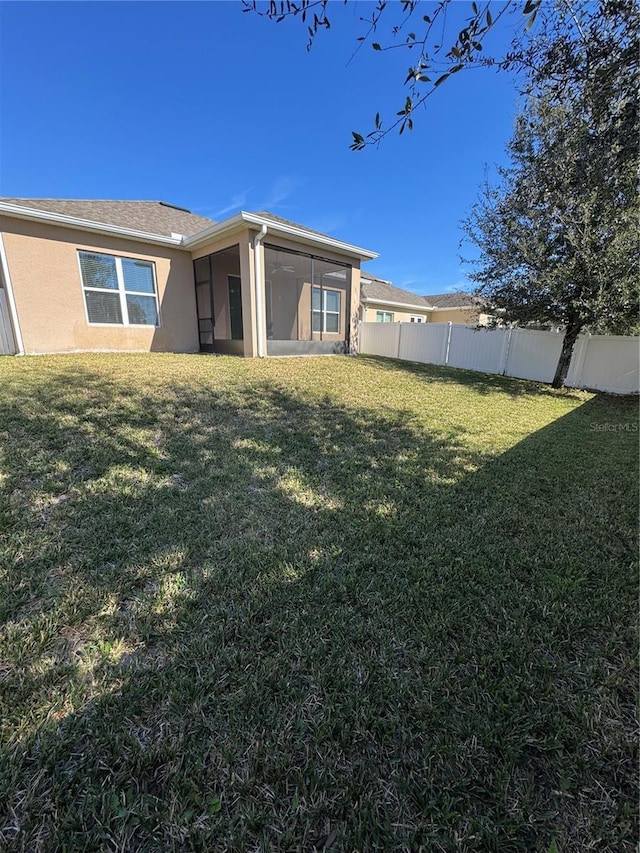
119	291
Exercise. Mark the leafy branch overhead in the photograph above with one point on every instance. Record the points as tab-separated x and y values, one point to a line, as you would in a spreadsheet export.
421	28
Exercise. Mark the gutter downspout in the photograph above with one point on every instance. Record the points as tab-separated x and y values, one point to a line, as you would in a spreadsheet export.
13	310
260	321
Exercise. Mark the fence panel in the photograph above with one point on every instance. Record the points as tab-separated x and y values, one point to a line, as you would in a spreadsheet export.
533	355
611	363
379	339
478	349
600	362
425	342
7	346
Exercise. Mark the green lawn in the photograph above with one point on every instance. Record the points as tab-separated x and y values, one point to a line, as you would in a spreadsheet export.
313	604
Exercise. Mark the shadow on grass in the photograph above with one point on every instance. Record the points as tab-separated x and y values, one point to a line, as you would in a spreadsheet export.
249	621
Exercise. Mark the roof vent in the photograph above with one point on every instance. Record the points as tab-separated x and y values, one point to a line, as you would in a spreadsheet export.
174	206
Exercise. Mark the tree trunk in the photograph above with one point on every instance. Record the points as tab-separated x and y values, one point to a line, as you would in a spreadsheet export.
570	338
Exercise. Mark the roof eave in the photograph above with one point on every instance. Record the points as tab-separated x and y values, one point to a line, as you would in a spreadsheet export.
455	307
212	232
366	279
35	215
411	305
217	230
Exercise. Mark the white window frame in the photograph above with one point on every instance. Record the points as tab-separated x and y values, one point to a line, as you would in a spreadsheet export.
417	318
323	309
122	293
381	314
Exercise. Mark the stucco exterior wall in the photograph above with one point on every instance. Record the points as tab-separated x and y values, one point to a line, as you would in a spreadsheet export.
224	266
248	277
399	316
355	306
468	318
43	264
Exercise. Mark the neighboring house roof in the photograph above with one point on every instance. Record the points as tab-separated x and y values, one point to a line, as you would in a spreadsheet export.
376	290
152	217
460	299
379	291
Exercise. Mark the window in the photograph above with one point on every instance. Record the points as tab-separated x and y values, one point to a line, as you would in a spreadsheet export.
384	317
119	291
326	310
416	319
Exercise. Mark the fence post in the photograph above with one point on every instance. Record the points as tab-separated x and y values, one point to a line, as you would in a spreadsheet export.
447	343
398	333
506	349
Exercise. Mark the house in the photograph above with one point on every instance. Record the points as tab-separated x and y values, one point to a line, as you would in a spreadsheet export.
381	302
150	276
458	307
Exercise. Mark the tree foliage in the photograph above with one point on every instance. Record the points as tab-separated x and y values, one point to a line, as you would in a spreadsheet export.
558	234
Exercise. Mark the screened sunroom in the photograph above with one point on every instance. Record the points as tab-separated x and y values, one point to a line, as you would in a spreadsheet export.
307	300
265	286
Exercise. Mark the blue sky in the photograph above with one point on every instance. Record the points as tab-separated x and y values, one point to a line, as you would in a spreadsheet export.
207	107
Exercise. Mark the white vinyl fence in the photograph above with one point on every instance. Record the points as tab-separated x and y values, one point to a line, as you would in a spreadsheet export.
7	346
600	362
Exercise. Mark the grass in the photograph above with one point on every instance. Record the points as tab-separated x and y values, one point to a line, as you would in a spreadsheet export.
313	604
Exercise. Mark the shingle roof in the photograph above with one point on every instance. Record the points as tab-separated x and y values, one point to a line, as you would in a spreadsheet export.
373	288
154	217
452	300
266	215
